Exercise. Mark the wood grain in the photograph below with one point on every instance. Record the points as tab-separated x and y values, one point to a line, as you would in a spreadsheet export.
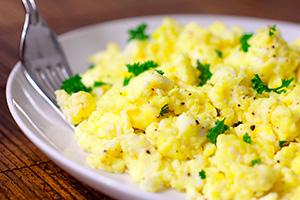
25	172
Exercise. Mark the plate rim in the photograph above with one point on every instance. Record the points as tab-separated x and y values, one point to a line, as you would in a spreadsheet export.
71	166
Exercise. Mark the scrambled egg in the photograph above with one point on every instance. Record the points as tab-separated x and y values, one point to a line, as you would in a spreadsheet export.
123	129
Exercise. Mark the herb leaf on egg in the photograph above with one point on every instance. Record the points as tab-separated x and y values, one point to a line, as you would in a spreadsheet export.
138	33
219	53
74	84
282	143
99	83
126	80
91	66
244	41
202	174
138	68
284	84
247	138
205	73
272	30
160	72
260	87
256	162
164	110
218	129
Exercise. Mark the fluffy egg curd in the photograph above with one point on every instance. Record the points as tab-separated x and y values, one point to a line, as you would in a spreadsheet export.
210	111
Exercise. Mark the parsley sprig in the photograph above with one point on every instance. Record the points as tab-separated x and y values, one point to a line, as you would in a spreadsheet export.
219	53
74	84
256	162
137	68
202	174
260	87
99	83
244	41
247	138
91	66
160	72
205	73
126	80
218	129
272	30
282	143
164	110
138	33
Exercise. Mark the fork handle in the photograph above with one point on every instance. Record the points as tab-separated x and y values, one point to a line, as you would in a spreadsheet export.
31	11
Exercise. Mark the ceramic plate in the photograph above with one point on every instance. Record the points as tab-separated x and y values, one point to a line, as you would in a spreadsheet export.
44	127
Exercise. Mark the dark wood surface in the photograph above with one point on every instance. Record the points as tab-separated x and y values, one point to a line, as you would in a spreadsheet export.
25	172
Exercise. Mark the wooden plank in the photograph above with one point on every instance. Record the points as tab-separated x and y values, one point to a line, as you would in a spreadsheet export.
22	145
17	192
36	184
8	190
69	183
14	178
54	184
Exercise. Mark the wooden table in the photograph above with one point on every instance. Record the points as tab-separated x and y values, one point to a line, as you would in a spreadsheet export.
25	172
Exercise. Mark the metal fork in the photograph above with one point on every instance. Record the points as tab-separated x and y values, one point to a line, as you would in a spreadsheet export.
42	57
41	54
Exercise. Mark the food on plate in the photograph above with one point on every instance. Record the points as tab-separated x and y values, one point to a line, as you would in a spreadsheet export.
210	111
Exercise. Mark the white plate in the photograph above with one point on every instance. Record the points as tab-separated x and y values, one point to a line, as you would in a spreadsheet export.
46	129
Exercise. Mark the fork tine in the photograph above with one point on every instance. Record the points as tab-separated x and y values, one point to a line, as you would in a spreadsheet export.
44	84
53	76
44	77
61	75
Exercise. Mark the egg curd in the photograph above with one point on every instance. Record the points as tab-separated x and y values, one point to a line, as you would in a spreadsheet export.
214	113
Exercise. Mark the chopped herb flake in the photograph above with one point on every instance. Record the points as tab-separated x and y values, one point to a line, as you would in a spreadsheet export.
205	73
255	162
219	53
260	87
91	66
218	129
138	68
244	42
247	138
272	30
74	84
138	33
164	110
160	72
126	80
202	174
282	143
99	84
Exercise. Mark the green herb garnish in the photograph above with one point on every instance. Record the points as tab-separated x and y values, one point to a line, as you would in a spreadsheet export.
202	174
160	72
247	138
260	87
138	68
255	162
138	33
282	143
219	53
91	66
244	42
164	110
272	30
218	129
74	84
205	73
126	80
99	84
